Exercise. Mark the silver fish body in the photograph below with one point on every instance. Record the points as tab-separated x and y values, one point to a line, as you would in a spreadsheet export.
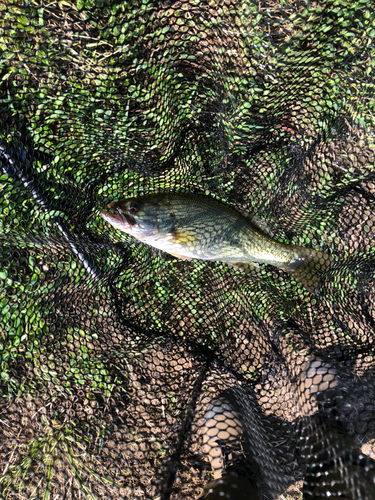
199	227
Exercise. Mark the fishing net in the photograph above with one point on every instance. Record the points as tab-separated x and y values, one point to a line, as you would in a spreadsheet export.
127	373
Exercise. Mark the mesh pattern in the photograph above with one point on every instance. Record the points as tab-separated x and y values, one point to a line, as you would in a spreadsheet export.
129	373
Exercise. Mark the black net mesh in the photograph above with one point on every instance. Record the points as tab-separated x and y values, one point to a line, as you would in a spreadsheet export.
127	373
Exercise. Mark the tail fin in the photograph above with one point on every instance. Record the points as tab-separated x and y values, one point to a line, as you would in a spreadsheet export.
309	268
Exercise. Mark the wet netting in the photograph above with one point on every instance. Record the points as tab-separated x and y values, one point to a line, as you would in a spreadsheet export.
126	371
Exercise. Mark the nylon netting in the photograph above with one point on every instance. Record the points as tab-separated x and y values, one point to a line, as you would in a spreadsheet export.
127	373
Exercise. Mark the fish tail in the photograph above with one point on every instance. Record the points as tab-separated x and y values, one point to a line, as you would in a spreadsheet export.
308	268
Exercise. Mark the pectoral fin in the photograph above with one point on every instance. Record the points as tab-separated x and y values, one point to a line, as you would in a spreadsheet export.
184	237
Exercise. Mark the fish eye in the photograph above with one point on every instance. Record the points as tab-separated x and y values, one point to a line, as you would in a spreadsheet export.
133	209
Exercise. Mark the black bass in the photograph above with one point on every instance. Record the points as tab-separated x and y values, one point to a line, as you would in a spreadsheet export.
199	227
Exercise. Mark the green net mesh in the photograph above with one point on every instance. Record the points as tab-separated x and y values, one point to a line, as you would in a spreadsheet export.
127	373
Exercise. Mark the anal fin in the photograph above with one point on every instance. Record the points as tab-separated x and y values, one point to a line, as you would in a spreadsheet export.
245	267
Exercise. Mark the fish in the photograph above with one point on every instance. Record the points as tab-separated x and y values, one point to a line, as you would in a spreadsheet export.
199	227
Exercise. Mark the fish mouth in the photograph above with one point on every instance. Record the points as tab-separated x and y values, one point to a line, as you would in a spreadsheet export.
116	217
